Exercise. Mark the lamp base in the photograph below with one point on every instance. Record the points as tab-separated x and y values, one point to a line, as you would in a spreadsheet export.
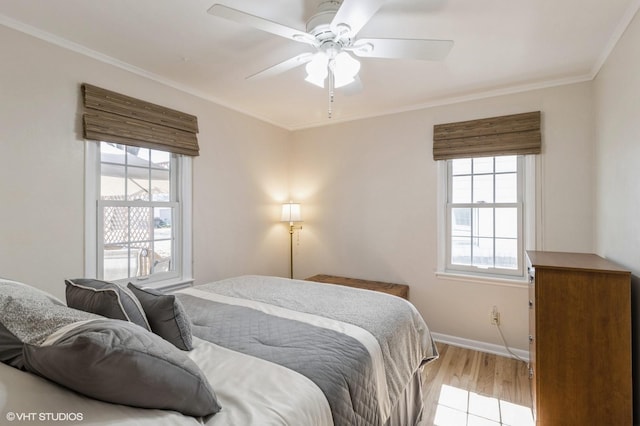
292	229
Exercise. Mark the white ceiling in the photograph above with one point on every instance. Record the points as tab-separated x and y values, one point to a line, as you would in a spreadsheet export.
501	46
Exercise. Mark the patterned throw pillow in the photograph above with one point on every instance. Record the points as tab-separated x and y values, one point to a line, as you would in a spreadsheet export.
29	315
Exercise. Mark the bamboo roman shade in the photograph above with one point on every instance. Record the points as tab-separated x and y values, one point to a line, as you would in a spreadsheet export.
517	134
112	117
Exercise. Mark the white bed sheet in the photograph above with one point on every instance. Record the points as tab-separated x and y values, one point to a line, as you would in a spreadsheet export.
251	391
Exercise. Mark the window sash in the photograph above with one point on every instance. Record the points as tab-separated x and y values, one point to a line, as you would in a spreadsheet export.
449	206
172	204
176	260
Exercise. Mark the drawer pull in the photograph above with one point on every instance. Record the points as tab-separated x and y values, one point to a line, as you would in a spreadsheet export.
530	304
530	339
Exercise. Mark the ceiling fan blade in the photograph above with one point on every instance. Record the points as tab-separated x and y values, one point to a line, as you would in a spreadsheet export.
261	24
396	48
282	66
355	14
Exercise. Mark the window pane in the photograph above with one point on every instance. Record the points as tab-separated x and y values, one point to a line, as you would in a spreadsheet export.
163	256
461	251
163	240
163	263
461	189
483	222
483	165
508	163
507	188
147	260
160	159
483	189
506	253
112	182
160	185
140	157
137	184
461	166
162	220
111	153
507	222
140	259
115	262
483	252
460	222
116	226
140	223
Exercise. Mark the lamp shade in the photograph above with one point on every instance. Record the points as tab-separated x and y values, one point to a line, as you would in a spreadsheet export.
317	69
344	68
291	212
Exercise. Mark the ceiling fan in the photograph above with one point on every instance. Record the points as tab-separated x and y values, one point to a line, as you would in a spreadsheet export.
332	31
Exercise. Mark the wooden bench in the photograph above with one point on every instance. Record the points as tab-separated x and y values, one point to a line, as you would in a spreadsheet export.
400	290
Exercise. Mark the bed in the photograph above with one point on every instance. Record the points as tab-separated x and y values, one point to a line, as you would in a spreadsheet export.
260	350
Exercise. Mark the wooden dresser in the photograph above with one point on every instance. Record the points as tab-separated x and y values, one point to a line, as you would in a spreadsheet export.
580	340
400	290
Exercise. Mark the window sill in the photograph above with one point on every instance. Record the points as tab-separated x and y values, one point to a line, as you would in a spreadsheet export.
468	278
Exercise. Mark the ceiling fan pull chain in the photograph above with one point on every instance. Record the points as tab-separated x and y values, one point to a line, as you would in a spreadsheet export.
331	92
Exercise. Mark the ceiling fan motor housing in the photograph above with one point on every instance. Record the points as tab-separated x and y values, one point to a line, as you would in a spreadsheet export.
319	25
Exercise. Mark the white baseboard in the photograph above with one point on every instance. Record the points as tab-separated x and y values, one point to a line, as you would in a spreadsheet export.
479	346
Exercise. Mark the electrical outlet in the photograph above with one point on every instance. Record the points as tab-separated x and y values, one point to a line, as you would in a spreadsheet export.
494	316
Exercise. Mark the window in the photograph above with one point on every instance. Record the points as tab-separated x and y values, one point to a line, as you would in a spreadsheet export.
484	215
141	204
487	194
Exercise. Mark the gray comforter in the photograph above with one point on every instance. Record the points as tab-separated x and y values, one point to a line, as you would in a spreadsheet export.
359	347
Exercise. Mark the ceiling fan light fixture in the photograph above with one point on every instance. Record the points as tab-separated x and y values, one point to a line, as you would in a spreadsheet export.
345	68
317	70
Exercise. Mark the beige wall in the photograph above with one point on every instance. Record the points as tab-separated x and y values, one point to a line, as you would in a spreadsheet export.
239	178
617	94
368	187
368	192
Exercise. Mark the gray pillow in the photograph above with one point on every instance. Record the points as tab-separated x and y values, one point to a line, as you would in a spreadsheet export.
104	298
107	359
166	316
119	362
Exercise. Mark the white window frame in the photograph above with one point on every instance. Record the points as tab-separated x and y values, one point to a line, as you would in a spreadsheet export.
182	276
528	238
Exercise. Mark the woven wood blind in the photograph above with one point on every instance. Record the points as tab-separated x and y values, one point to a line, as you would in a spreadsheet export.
112	117
517	134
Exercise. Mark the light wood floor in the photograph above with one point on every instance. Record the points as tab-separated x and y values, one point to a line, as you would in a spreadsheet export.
466	388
